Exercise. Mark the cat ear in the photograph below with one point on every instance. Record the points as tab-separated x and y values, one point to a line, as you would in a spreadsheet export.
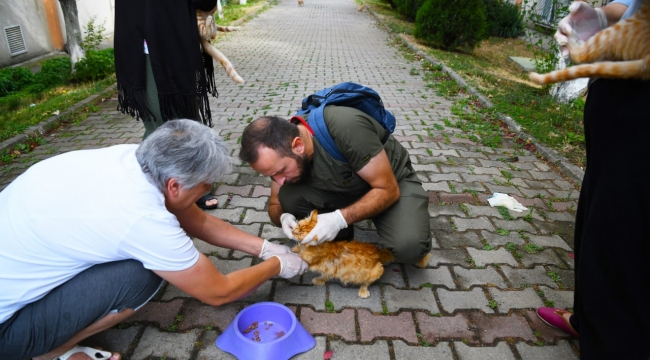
314	215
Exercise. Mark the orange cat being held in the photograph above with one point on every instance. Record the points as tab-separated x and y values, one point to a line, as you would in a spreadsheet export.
349	261
620	51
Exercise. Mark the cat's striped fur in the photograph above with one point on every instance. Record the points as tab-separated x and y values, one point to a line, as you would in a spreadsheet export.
208	31
620	51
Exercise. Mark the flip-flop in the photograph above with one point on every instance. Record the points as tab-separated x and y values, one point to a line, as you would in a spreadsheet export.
204	199
554	317
93	353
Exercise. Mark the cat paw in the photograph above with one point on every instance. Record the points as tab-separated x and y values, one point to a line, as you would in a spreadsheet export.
318	281
424	262
364	293
576	48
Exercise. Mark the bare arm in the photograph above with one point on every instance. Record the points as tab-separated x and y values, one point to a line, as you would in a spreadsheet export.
217	232
275	209
204	282
384	190
614	12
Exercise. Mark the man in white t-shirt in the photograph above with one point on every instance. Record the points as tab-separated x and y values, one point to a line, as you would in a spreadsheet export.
88	236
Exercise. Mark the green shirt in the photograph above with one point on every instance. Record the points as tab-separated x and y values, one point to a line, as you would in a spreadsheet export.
358	136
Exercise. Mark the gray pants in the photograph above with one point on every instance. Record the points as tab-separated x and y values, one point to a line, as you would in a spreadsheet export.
403	229
48	323
151	91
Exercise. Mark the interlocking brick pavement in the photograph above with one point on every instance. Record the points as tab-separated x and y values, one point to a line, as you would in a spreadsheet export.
473	301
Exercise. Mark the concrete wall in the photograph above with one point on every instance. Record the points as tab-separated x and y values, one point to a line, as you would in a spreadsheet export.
31	15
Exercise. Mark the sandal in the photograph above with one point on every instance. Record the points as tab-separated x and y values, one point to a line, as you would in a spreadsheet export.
555	318
204	200
93	353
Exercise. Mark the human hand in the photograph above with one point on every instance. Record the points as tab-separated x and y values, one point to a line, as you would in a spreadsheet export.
327	226
291	265
584	20
269	249
507	201
288	222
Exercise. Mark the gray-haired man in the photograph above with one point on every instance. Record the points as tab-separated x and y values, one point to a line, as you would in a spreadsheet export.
75	260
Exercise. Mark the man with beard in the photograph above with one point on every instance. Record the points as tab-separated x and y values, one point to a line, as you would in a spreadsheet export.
377	182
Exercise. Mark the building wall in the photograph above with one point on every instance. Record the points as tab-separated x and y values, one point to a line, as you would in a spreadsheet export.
40	36
30	15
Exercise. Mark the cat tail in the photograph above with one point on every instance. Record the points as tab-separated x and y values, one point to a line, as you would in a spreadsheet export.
222	59
386	257
608	69
227	28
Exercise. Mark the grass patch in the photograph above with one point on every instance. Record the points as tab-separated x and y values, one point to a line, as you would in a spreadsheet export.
489	70
15	121
234	11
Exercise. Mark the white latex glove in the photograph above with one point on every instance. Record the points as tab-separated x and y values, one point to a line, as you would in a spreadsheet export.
584	20
326	228
269	249
507	201
291	265
288	222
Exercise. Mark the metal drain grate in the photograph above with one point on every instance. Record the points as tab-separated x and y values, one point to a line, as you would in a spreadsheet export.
15	39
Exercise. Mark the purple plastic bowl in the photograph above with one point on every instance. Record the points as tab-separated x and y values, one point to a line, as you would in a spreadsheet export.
280	334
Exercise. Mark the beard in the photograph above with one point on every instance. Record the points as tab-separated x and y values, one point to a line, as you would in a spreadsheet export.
304	168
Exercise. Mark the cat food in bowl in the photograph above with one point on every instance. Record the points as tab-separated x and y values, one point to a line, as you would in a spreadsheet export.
265	331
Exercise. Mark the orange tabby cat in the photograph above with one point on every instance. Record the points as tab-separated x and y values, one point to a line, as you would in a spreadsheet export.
349	261
208	31
627	40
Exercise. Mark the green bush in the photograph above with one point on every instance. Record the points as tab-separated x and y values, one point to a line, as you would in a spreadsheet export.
54	72
409	8
13	79
452	24
503	19
97	65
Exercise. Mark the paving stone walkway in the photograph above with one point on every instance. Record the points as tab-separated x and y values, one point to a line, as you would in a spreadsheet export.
490	269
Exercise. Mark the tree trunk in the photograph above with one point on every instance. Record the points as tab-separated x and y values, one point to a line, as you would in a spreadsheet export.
72	30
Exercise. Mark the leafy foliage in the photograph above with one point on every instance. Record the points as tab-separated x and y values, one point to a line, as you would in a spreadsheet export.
452	24
503	19
545	60
409	8
54	72
97	65
94	35
14	79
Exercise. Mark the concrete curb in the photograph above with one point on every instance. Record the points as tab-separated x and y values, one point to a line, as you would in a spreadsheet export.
566	168
52	122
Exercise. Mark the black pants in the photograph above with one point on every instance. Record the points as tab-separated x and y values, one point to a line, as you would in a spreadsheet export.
48	323
612	236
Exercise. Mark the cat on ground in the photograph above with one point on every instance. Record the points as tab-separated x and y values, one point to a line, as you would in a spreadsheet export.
349	261
352	261
619	51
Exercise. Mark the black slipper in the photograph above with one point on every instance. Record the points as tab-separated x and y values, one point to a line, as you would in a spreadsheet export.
204	199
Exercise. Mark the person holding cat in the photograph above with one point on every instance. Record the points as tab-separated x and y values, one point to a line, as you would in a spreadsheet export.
611	312
83	261
377	182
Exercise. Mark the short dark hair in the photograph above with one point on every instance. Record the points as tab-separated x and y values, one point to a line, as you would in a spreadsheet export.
271	131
